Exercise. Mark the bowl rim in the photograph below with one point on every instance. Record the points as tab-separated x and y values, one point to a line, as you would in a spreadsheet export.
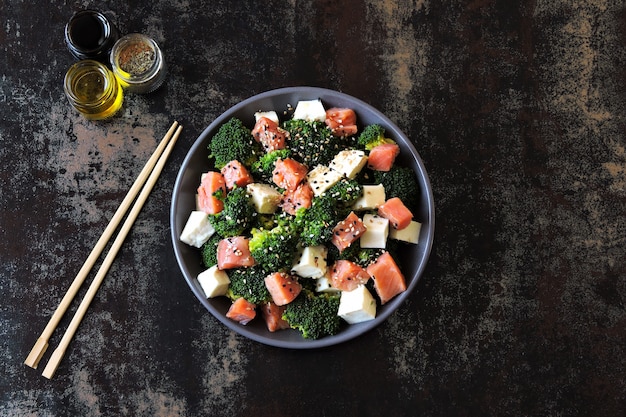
356	329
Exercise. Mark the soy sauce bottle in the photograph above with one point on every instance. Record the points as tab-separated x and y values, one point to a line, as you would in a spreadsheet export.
89	34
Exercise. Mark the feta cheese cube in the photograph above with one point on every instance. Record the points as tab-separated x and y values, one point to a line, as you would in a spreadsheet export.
349	162
310	110
214	282
322	284
197	230
409	234
264	197
321	178
373	196
269	114
357	306
312	262
377	231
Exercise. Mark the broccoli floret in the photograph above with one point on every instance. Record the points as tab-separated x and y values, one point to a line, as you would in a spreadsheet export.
274	249
314	314
308	284
313	143
209	251
234	141
264	166
355	253
328	209
345	192
237	216
249	283
265	221
269	221
373	135
395	248
316	222
399	182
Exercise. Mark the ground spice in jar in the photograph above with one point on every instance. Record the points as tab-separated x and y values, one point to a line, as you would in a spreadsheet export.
137	61
136	58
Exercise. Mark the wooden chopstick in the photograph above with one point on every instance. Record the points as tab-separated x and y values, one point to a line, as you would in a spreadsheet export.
41	345
59	352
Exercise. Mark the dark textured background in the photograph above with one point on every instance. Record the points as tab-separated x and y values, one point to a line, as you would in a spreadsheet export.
517	109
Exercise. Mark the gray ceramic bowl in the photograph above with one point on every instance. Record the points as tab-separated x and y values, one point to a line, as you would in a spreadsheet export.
413	260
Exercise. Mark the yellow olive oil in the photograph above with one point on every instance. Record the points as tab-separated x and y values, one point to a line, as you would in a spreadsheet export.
93	90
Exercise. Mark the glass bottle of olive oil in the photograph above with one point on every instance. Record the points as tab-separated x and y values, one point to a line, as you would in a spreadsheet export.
93	90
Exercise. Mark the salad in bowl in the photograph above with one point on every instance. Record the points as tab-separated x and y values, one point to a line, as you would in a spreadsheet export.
302	217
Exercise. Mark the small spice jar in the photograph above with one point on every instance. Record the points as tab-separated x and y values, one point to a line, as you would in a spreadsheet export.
93	90
90	35
138	63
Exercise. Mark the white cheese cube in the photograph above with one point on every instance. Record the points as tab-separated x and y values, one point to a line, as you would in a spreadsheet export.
357	306
214	282
377	231
268	114
409	234
373	196
264	197
322	284
321	178
197	230
349	162
310	110
312	262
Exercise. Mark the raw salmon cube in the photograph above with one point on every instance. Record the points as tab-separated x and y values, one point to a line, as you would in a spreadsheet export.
341	121
396	212
241	311
283	287
273	316
346	275
207	202
382	157
288	173
293	200
236	174
234	252
347	231
269	134
388	279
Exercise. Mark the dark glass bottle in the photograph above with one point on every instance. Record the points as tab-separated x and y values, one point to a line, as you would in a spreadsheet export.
90	35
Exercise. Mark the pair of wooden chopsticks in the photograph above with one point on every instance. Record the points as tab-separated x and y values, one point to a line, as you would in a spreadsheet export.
145	181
